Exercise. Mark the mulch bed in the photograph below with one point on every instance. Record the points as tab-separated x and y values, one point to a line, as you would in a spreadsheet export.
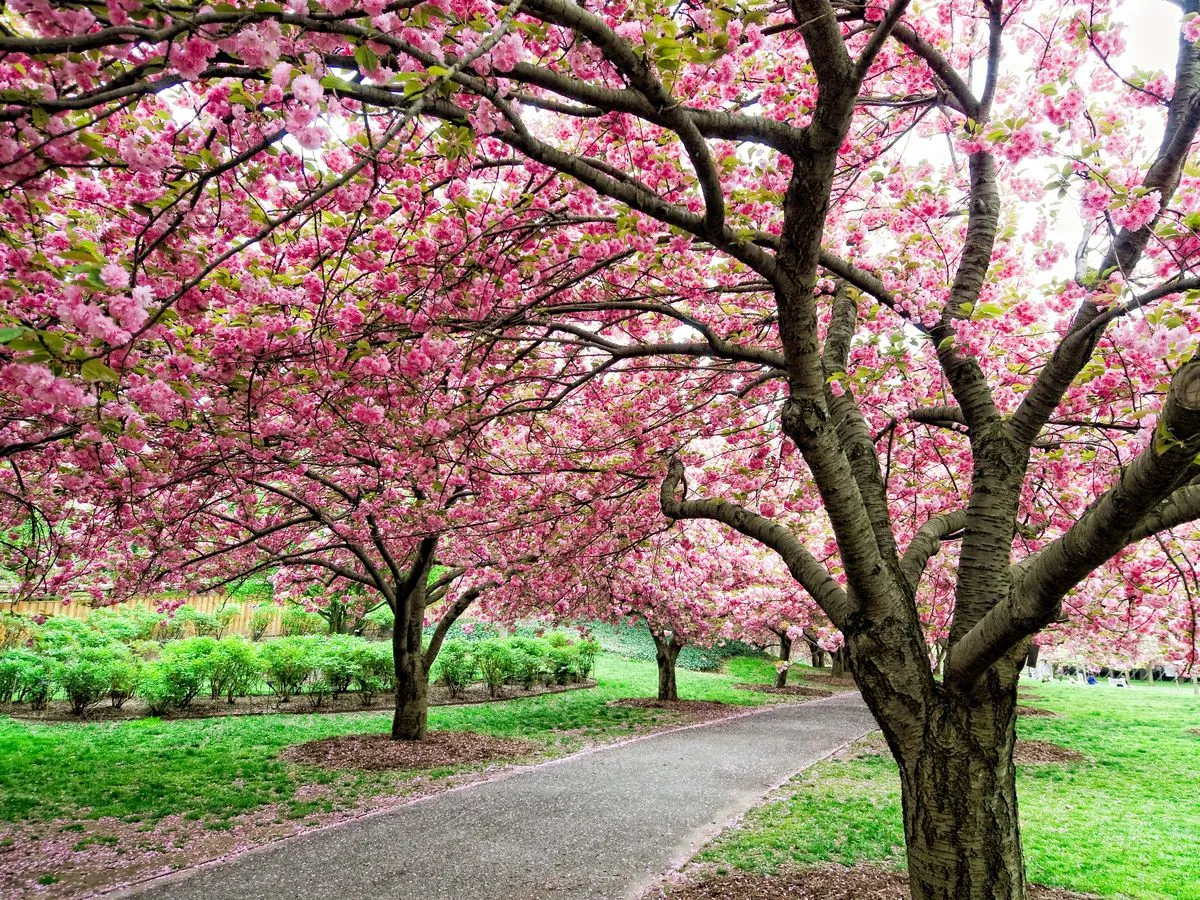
845	682
1036	711
789	690
830	882
206	708
690	711
1044	752
378	752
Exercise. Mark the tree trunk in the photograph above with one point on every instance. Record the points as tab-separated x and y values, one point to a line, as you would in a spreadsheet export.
785	656
955	755
1031	659
815	652
667	647
410	722
838	658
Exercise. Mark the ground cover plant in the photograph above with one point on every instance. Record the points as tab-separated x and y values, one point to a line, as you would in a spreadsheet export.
1121	823
129	792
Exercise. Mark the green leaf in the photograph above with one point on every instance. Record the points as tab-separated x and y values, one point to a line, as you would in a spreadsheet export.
10	334
94	370
366	58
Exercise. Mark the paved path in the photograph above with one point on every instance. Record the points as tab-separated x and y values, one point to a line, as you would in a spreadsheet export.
602	824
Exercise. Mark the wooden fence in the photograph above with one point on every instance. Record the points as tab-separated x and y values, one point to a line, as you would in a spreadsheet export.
209	604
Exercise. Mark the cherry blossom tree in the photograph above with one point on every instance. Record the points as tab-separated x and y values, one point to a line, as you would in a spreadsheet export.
838	212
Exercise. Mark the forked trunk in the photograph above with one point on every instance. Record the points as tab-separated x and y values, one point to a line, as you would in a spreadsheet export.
667	648
957	777
785	656
815	651
410	721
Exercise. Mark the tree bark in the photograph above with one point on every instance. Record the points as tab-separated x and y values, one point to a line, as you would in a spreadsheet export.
815	651
410	721
667	647
838	663
960	807
785	656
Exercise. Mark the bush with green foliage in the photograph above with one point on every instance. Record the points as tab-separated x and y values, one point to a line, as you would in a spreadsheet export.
260	620
125	624
236	668
528	660
380	621
24	676
374	670
455	667
187	666
286	664
123	679
86	675
496	663
296	620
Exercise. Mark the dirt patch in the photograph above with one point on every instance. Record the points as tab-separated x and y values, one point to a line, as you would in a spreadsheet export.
788	690
1044	752
829	882
1195	731
1037	712
378	752
684	712
841	683
205	708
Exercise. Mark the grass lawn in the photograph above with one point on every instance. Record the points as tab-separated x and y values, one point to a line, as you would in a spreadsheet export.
211	770
1125	823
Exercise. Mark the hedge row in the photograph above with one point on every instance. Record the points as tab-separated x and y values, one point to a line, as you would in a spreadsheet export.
170	676
520	659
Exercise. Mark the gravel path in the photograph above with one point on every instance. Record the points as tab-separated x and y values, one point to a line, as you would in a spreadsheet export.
605	823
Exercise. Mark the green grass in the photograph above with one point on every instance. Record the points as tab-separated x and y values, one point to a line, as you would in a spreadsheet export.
1125	823
635	642
214	769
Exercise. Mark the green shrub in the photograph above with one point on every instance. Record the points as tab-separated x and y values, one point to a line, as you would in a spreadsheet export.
296	620
337	662
528	660
455	666
561	664
287	663
16	673
35	682
86	676
171	626
557	639
60	634
225	616
155	689
124	624
122	683
260	620
14	630
187	666
374	670
586	652
235	668
380	621
496	663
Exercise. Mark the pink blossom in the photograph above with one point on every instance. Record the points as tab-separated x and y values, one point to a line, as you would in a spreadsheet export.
307	89
1191	28
366	414
114	276
1140	213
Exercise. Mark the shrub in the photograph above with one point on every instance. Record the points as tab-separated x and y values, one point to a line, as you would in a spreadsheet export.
155	689
337	662
296	620
16	673
557	639
225	616
586	652
287	663
561	665
123	680
171	627
260	620
124	624
235	668
86	676
14	630
187	665
374	670
380	621
455	666
59	634
528	660
496	663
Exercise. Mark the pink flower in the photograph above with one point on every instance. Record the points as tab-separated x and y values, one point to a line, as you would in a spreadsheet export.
1191	29
307	90
114	276
366	414
1140	213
